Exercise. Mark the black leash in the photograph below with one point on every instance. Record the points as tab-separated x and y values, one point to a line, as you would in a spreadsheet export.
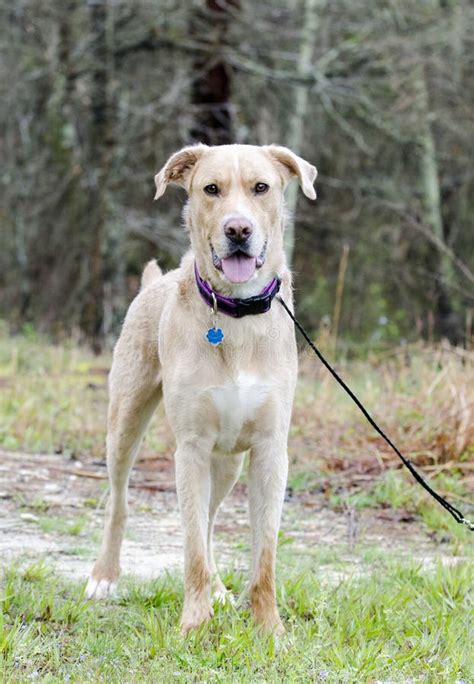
457	515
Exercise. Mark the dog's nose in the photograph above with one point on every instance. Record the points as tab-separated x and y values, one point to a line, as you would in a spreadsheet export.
238	229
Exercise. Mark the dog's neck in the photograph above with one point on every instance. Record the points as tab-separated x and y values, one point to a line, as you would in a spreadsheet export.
237	307
219	283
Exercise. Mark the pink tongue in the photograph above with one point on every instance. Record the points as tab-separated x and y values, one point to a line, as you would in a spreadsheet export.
239	268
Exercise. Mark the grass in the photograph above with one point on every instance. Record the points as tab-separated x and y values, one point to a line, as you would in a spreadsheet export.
53	398
424	403
364	615
73	526
399	623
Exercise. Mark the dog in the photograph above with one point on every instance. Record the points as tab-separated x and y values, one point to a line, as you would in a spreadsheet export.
210	339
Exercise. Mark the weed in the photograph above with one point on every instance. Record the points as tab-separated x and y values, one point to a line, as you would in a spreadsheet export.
61	525
399	623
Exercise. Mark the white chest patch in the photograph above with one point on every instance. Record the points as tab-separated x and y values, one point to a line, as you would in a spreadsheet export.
236	404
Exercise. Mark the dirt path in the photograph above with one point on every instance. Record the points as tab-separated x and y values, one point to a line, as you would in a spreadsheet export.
53	508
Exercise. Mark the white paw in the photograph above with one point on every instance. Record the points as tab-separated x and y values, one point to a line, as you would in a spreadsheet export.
224	597
100	589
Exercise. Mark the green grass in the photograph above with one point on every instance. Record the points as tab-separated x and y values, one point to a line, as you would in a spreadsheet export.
397	490
399	623
73	526
388	619
53	398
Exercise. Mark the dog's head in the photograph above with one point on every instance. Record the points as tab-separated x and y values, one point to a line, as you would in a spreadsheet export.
235	209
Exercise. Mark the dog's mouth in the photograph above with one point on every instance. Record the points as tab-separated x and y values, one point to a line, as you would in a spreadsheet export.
238	267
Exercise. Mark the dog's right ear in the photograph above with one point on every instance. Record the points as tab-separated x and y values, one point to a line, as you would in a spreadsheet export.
178	168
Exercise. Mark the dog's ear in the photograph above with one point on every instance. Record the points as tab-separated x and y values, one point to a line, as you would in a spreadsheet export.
294	166
178	167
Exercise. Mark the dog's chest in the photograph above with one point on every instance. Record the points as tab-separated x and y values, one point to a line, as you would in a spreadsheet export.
236	405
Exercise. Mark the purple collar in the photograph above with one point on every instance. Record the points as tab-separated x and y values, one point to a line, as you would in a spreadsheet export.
233	306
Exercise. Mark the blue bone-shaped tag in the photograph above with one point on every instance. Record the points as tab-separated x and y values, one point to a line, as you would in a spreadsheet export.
215	336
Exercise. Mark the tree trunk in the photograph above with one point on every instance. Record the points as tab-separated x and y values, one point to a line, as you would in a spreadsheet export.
294	141
51	273
439	262
98	151
212	86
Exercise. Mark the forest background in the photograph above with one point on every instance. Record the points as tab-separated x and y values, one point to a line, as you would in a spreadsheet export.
378	96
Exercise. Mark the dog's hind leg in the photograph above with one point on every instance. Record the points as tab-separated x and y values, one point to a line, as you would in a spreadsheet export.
225	471
135	390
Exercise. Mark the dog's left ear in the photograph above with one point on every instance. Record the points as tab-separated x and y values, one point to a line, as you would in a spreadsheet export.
294	166
178	168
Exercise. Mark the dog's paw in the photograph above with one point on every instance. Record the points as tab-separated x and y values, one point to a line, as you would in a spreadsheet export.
271	626
266	617
277	628
194	616
224	597
100	588
220	594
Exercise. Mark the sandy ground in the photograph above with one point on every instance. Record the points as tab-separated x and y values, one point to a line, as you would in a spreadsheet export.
41	493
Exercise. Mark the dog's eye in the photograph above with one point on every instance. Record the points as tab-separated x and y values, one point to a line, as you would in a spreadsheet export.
211	189
260	188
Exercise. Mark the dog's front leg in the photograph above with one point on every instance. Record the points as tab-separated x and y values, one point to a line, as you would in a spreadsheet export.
268	470
193	483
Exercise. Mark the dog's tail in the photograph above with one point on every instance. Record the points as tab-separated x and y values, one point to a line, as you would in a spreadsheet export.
151	272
